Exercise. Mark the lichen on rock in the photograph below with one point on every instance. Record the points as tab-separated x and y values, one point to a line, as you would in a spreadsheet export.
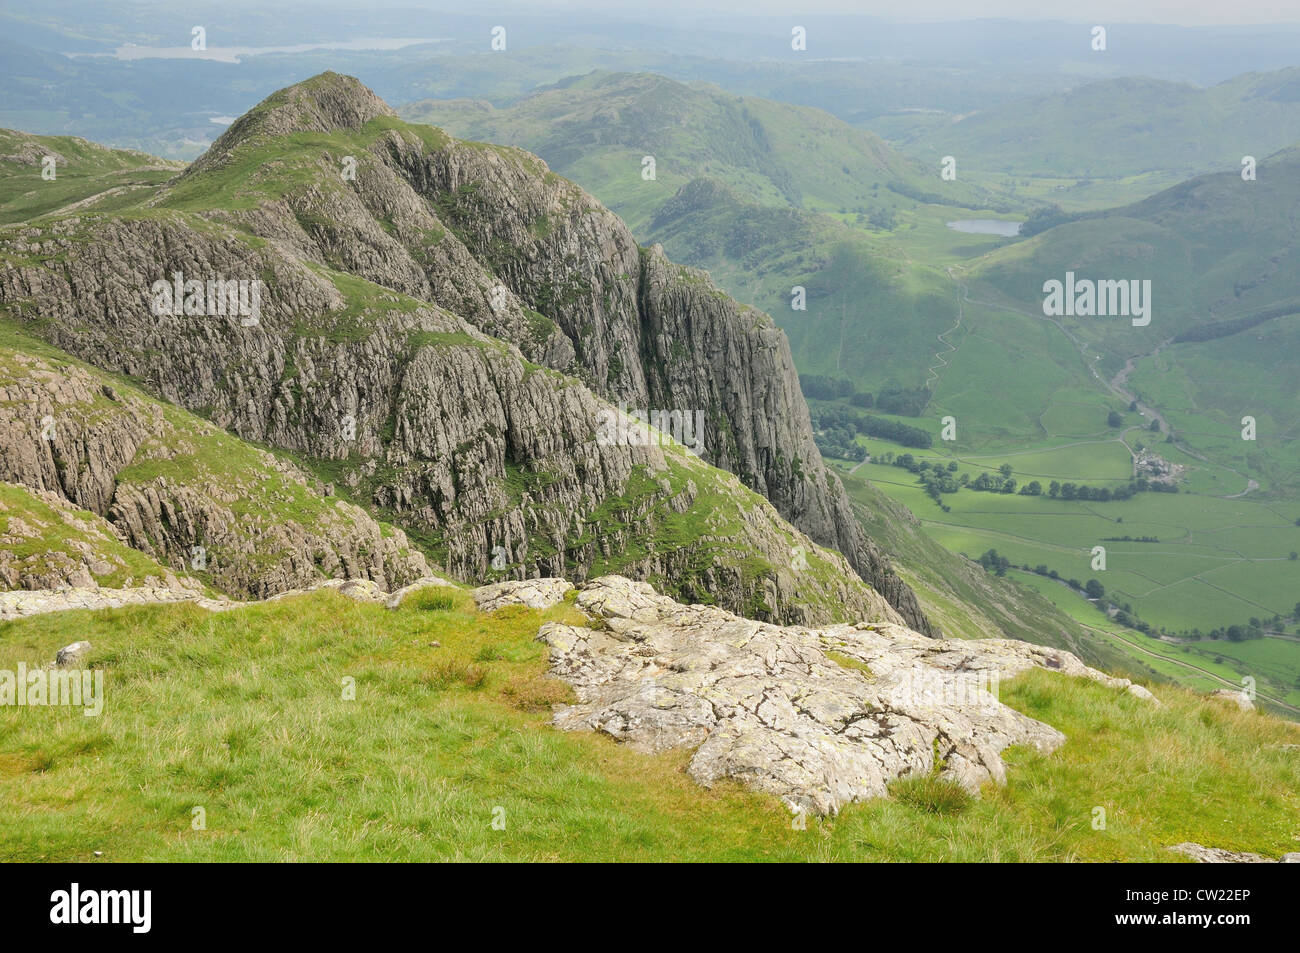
819	717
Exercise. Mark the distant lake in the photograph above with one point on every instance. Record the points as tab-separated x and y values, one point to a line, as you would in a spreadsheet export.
986	226
232	54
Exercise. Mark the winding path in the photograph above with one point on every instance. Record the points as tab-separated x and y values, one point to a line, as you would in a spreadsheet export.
1118	385
941	361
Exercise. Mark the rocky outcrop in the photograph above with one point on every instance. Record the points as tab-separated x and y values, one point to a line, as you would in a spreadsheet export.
495	460
460	437
532	593
47	543
817	716
643	330
173	487
1217	855
21	603
1235	696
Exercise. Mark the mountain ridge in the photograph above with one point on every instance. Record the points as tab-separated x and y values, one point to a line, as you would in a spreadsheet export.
318	243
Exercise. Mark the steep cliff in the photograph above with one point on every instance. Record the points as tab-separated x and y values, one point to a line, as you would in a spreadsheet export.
173	487
491	461
371	240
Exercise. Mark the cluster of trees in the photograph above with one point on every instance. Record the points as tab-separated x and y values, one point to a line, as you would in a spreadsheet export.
1092	589
836	440
903	401
1104	494
820	387
1041	219
1255	628
936	198
835	427
938	479
882	218
1218	329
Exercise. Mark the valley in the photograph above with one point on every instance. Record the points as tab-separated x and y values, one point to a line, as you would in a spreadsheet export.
684	435
898	298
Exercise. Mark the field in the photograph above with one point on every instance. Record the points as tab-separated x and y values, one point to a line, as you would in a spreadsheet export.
242	714
1213	563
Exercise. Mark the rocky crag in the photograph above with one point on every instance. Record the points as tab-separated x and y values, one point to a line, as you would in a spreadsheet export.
438	326
820	717
123	476
100	474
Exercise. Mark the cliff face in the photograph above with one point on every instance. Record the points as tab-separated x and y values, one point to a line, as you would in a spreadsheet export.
170	486
387	254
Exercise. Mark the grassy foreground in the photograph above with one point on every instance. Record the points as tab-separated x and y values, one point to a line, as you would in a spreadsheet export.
243	715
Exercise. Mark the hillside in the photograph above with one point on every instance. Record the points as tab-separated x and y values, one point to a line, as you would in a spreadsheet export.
233	740
898	301
766	196
181	493
1223	311
483	448
879	295
597	129
1143	135
79	169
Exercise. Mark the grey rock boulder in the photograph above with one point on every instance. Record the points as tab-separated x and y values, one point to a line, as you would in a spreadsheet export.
71	654
533	593
819	717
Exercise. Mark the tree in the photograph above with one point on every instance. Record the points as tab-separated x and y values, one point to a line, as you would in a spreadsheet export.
1094	589
1115	419
883	219
1054	489
1005	469
1133	406
1155	425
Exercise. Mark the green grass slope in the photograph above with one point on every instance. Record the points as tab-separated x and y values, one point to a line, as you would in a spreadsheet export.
1115	140
80	171
596	129
244	715
963	599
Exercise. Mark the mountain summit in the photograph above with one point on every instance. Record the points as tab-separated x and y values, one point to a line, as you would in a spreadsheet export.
438	329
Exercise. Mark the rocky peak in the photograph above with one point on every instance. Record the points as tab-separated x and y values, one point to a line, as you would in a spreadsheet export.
380	289
328	102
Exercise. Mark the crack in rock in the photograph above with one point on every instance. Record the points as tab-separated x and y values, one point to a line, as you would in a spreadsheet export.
764	704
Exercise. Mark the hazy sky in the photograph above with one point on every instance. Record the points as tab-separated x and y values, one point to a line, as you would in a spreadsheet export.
1187	12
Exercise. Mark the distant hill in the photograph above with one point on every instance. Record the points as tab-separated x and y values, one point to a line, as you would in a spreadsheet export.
1153	132
598	128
